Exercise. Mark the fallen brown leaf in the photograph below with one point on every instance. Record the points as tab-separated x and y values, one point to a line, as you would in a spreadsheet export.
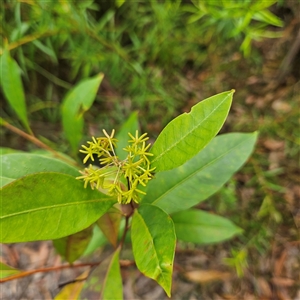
204	276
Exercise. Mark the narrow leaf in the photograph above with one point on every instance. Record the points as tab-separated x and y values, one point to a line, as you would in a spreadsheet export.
200	227
153	242
75	104
131	125
73	246
6	271
46	206
105	282
190	132
203	175
12	87
109	223
16	165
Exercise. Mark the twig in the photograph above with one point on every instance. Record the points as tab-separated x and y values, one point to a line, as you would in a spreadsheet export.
44	270
36	141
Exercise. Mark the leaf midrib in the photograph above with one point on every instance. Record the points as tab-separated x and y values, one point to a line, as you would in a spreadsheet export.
189	132
54	206
193	173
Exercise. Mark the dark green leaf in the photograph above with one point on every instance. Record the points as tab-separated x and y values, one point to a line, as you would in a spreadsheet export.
46	206
200	227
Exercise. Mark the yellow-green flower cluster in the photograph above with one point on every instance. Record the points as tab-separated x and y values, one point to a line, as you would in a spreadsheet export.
118	178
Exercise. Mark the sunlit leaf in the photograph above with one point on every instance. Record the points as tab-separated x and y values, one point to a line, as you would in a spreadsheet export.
200	227
12	86
190	132
16	165
44	206
203	175
75	104
104	282
73	246
5	180
6	271
153	242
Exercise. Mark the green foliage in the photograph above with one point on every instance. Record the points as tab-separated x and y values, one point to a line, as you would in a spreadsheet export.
154	248
75	104
48	205
12	86
139	56
45	195
174	147
200	227
6	271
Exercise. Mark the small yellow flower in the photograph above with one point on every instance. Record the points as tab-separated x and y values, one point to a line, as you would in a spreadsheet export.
135	170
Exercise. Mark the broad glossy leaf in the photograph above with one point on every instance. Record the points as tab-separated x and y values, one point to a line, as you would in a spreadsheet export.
16	165
190	132
12	87
6	271
46	206
104	282
131	125
153	242
75	104
72	290
109	223
200	227
203	175
73	246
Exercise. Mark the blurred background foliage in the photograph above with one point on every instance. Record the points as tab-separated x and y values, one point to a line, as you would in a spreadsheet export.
159	58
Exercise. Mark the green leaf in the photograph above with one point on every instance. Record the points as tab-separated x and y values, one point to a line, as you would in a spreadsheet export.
153	242
105	282
190	132
73	246
6	150
109	224
6	271
98	240
267	17
131	125
5	180
75	104
16	165
200	227
12	87
46	206
203	175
